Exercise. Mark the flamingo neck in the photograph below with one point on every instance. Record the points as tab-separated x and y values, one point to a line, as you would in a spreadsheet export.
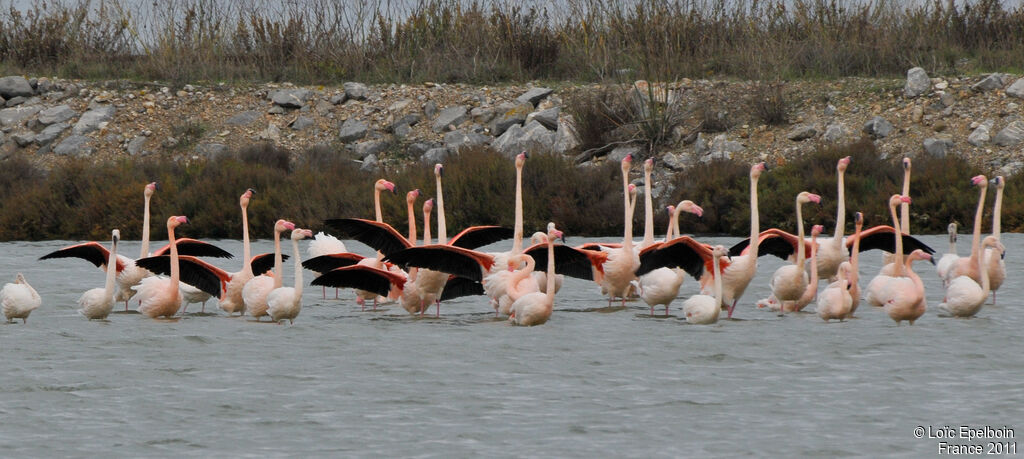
278	262
376	205
426	228
298	270
840	212
175	269
145	229
754	223
108	286
550	292
976	241
997	212
519	275
246	250
673	223
952	244
985	282
812	284
627	215
517	242
648	211
855	256
800	237
412	223
442	229
627	241
898	267
905	207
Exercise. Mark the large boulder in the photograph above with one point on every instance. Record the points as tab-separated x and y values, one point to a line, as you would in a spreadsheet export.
1016	89
677	161
369	147
549	118
1011	135
15	86
534	96
435	155
56	114
356	91
834	133
450	116
291	98
533	138
878	127
802	132
50	133
74	145
91	120
16	115
508	116
351	130
981	134
565	138
244	118
917	82
458	139
990	82
938	146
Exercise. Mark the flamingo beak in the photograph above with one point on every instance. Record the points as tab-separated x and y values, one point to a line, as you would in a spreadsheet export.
978	180
698	210
814	198
905	199
289	226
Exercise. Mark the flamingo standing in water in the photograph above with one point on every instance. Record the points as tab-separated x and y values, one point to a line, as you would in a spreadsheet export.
950	257
812	285
971	266
255	292
964	296
161	297
789	282
995	264
704	309
98	302
888	258
232	301
622	261
19	299
496	282
853	275
535	308
901	293
737	276
831	251
286	302
660	286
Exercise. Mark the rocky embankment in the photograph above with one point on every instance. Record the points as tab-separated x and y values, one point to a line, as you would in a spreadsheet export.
49	120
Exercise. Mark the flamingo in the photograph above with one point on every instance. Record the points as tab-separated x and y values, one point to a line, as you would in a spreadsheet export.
622	261
964	296
901	294
98	302
904	210
255	292
971	266
522	281
541	277
325	244
704	309
771	302
19	299
161	297
853	275
789	282
836	301
876	290
232	301
995	265
535	308
495	283
950	257
831	251
286	302
660	286
736	277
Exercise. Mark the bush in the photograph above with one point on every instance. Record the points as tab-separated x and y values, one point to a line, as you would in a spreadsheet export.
769	105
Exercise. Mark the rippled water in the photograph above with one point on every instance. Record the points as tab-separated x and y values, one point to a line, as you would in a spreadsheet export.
587	383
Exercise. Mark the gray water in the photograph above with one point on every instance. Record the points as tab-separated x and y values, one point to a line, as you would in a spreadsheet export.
340	382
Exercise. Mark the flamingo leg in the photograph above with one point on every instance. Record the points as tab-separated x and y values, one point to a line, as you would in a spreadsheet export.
993	298
731	308
438	302
652	310
325	291
423	307
335	293
374	303
666	310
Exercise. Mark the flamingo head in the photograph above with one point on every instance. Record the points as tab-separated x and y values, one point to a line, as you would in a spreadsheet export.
174	222
993	242
952	232
757	169
689	206
805	197
554	233
521	159
411	196
384	185
627	162
244	199
858	218
906	164
438	170
671	209
979	180
843	163
299	234
649	165
720	251
283	225
20	279
920	255
999	182
428	206
816	230
538	237
151	187
115	236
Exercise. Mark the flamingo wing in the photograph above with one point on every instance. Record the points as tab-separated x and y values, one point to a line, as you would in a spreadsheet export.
570	261
92	252
193	271
681	252
457	287
881	237
445	258
379	236
325	263
771	241
264	262
195	248
478	236
362	277
599	246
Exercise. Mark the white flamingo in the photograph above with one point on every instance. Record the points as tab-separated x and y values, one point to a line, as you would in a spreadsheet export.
98	302
964	296
19	299
950	257
789	281
286	302
704	309
535	308
255	292
832	251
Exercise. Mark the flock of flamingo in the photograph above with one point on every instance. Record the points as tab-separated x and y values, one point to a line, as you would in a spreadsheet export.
420	274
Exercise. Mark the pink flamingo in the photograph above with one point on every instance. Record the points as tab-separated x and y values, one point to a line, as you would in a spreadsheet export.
853	275
995	265
902	292
704	309
286	302
964	296
622	261
831	251
535	308
971	266
98	302
255	292
789	282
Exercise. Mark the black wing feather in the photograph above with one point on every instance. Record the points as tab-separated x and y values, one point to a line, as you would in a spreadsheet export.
88	252
569	261
349	278
738	249
481	236
368	234
673	256
777	246
191	273
460	286
264	262
198	248
438	259
885	241
325	263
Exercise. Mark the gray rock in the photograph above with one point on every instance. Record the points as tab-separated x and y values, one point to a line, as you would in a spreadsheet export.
301	122
172	142
1016	89
482	115
91	120
15	101
718	145
451	116
291	98
802	132
677	161
14	86
271	133
400	105
830	110
23	138
938	146
210	150
1011	135
136	144
990	82
244	118
369	147
15	115
56	114
50	133
878	127
370	164
981	134
418	149
716	156
411	119
458	139
357	91
323	107
619	153
337	98
834	133
534	96
506	117
277	110
430	109
435	155
548	118
565	138
402	131
917	82
352	130
947	99
76	145
533	138
1011	169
